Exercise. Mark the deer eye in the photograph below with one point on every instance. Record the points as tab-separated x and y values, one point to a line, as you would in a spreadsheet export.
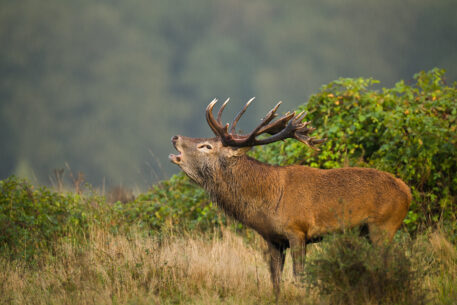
205	146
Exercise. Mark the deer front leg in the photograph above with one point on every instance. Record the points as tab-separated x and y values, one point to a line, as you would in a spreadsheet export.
277	257
298	251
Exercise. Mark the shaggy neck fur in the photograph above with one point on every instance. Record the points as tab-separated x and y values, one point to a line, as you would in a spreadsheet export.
245	188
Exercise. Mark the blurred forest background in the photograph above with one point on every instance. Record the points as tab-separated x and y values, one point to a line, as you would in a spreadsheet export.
103	85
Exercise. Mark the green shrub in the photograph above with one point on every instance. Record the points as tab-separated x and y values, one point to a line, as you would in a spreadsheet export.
175	204
349	270
31	220
409	130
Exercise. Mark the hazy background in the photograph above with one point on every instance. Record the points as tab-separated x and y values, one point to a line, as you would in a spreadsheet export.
103	85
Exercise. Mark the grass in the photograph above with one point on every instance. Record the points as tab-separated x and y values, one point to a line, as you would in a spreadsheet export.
137	269
196	268
443	282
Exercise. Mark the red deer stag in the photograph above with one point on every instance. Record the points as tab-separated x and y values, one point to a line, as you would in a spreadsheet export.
288	205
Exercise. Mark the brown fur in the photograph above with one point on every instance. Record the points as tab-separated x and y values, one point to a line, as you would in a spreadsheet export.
291	205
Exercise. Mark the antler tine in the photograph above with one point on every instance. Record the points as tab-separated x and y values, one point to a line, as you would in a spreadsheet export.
301	134
219	114
209	113
213	124
309	141
277	125
272	113
267	119
238	116
298	118
249	140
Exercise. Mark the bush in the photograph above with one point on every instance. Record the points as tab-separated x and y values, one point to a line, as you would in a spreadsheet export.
349	270
409	130
175	204
32	220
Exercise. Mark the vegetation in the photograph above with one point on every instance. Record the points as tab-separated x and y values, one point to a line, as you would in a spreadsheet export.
175	204
170	245
31	220
349	270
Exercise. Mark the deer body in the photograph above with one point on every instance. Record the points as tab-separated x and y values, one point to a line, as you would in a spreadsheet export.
290	205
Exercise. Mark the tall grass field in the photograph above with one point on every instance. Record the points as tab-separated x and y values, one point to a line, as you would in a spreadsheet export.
225	268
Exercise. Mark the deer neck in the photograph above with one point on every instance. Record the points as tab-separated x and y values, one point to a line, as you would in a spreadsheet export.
246	187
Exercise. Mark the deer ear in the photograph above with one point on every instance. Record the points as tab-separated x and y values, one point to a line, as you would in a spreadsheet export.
238	151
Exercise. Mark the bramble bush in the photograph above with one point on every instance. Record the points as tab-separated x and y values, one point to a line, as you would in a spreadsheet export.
176	204
409	130
32	219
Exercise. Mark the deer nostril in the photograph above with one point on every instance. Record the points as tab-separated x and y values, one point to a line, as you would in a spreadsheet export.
174	139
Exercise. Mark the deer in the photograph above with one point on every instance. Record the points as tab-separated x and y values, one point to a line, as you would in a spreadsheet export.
289	206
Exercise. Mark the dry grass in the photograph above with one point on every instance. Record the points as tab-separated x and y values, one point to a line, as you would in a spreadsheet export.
442	282
143	270
194	269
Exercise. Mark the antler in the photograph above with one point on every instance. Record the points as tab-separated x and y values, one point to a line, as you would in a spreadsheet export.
288	126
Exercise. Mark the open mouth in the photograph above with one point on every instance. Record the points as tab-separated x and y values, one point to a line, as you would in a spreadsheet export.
175	158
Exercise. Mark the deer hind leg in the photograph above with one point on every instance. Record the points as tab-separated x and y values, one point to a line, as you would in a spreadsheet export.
383	228
277	258
298	251
383	232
